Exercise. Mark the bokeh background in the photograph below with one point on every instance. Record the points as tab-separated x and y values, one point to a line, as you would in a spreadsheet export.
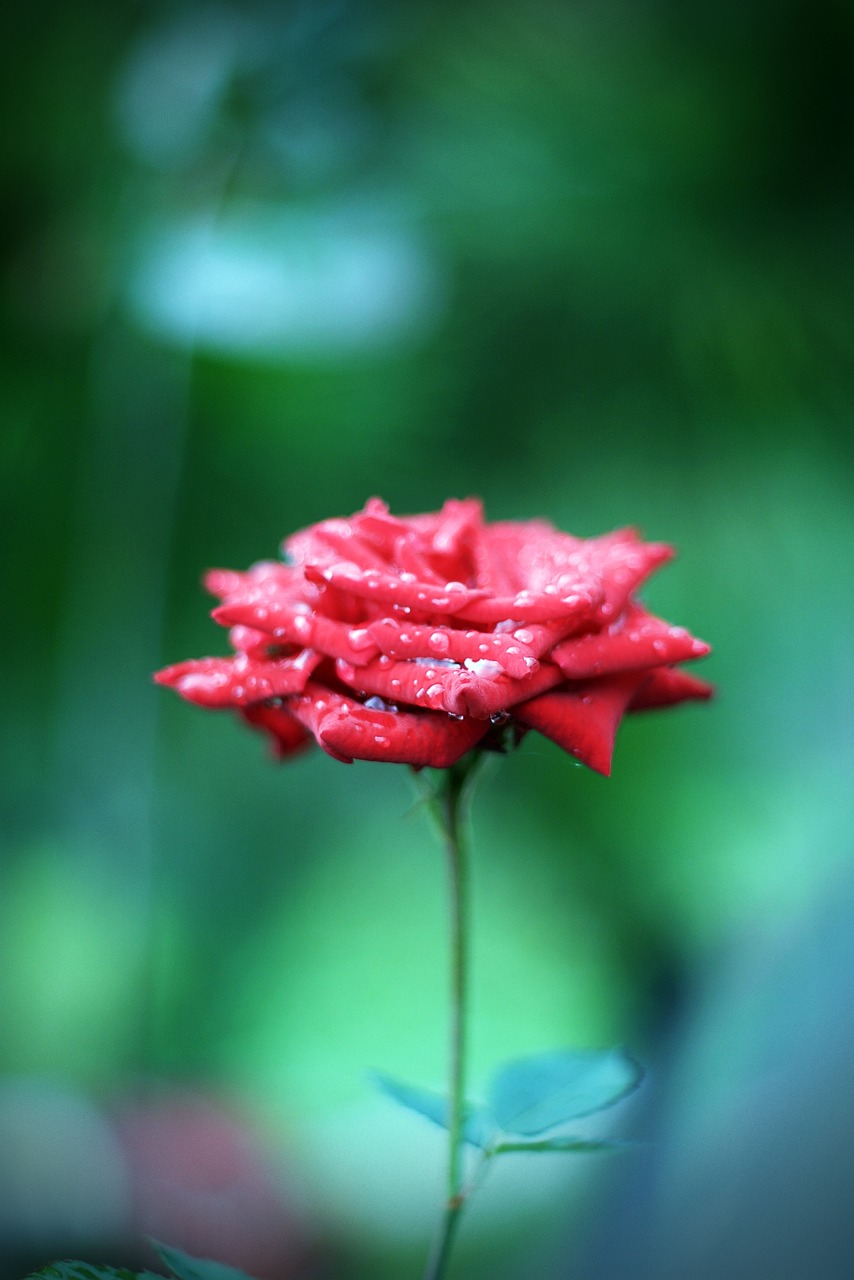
591	261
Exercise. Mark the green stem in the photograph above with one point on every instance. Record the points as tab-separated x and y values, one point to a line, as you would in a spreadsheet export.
448	804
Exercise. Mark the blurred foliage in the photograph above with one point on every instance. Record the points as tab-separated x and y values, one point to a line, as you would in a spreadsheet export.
589	261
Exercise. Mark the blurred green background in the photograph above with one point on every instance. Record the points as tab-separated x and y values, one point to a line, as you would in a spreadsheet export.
590	261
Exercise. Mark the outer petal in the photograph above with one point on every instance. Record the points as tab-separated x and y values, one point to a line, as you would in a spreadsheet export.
623	563
286	734
470	692
239	681
296	624
348	730
637	642
419	739
583	720
666	686
271	575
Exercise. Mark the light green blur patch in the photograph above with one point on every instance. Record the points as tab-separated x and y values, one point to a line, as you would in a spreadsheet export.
71	948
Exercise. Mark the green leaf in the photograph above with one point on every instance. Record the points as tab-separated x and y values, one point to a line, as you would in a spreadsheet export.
185	1267
478	1126
69	1270
181	1264
540	1093
563	1144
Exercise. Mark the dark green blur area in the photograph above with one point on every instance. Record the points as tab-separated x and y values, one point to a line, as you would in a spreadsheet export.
592	262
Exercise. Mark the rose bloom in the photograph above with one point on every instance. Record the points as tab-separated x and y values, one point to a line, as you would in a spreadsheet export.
415	639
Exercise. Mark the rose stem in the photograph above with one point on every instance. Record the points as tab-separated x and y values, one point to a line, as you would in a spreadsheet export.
448	803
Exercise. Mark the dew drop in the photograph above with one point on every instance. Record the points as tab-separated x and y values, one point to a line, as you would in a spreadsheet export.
380	740
375	703
484	668
439	642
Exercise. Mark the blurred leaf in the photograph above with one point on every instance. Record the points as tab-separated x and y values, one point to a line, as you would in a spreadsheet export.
186	1267
539	1093
478	1126
182	1266
69	1270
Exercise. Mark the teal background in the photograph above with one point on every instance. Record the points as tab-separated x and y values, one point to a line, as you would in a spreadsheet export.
591	262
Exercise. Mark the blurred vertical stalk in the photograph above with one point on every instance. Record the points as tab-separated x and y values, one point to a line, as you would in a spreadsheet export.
122	526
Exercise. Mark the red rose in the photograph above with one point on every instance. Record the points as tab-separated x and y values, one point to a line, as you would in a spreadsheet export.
414	639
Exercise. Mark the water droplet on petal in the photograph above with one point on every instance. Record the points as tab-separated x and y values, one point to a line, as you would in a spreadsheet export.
376	703
484	668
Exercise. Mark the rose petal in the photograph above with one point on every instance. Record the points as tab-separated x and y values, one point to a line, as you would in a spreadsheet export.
371	584
298	626
475	691
420	739
583	720
272	575
639	641
666	686
469	693
413	640
286	734
579	604
349	731
239	681
623	562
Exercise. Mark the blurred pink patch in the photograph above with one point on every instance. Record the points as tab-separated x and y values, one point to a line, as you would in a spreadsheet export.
200	1182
